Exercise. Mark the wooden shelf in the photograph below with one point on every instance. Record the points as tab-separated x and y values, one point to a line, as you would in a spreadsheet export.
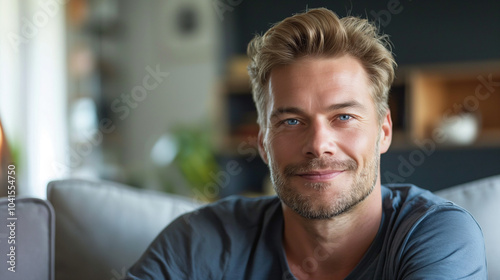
437	94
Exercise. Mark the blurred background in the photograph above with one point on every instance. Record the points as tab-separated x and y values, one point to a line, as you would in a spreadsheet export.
155	93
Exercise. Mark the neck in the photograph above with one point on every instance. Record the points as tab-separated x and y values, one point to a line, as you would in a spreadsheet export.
331	247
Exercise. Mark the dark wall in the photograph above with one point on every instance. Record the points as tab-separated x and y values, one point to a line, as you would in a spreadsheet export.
440	168
421	31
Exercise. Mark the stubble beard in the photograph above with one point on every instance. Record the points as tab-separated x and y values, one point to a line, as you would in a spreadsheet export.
362	186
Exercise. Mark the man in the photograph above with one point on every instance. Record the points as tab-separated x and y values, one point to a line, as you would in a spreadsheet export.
321	85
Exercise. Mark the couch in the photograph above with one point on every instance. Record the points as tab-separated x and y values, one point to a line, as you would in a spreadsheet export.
102	228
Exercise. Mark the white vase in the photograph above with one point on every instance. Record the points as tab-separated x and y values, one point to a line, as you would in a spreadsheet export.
461	129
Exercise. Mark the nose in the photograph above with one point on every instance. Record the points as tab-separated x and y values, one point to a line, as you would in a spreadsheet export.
319	140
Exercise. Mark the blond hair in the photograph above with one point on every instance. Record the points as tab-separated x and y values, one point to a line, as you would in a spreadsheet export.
320	33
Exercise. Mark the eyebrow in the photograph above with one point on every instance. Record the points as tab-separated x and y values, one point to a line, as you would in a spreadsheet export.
298	111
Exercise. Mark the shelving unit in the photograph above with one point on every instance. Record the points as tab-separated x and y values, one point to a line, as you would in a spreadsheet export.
238	118
440	92
422	97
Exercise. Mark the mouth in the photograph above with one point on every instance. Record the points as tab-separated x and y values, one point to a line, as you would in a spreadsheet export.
318	176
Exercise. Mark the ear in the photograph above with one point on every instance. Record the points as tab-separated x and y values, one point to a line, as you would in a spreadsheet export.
262	149
386	133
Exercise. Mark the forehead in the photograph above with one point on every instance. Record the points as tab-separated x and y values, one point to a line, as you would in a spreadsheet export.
321	79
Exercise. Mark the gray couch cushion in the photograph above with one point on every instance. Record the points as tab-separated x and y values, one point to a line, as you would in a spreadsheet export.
482	199
102	228
34	240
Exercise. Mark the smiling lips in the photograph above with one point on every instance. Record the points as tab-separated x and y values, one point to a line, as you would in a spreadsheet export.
324	175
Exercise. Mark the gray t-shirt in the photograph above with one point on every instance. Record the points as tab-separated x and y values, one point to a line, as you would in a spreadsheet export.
421	236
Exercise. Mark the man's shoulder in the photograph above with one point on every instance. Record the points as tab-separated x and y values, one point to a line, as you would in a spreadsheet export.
233	211
416	222
218	236
408	205
401	196
243	203
242	207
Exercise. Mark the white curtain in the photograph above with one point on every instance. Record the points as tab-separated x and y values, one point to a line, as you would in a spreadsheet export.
33	98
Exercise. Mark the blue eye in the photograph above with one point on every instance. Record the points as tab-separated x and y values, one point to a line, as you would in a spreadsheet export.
344	117
292	122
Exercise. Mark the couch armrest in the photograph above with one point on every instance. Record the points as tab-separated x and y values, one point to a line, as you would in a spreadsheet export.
33	233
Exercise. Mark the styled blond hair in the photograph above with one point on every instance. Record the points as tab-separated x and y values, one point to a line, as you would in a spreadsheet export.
320	33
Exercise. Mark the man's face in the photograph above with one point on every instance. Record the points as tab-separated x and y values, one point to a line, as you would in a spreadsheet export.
323	139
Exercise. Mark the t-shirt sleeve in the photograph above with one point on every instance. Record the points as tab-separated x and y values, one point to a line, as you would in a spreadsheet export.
447	243
176	252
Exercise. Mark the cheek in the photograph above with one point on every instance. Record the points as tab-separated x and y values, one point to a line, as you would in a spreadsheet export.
281	148
359	145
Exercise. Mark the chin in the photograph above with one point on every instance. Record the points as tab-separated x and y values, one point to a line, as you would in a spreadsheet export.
323	200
